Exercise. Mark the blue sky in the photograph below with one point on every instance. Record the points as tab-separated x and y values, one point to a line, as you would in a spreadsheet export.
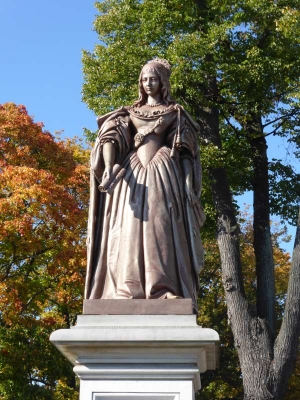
40	65
40	60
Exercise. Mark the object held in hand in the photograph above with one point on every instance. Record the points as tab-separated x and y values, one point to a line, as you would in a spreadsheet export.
108	184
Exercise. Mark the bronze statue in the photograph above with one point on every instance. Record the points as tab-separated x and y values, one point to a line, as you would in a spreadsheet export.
145	214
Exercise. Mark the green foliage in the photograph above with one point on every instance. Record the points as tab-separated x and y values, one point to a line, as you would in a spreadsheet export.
283	180
250	47
30	367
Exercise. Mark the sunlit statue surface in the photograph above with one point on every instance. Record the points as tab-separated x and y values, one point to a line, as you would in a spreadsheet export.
145	214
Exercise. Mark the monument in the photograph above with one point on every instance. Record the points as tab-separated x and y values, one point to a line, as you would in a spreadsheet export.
138	337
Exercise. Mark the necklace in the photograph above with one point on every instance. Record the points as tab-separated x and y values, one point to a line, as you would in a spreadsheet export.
155	105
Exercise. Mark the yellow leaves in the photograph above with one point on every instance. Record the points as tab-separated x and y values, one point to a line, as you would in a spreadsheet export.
63	391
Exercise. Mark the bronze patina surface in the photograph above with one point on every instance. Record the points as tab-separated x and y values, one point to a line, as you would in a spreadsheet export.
145	213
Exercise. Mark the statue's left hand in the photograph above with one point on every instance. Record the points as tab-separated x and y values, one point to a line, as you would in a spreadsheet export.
190	194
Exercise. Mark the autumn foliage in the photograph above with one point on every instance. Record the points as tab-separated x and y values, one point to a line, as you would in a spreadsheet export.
44	192
43	208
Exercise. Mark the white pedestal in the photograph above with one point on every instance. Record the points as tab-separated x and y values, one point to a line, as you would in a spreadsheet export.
152	357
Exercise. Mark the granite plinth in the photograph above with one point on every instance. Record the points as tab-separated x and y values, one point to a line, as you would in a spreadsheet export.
138	356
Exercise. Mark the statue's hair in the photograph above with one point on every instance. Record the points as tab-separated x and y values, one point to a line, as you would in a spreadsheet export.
162	68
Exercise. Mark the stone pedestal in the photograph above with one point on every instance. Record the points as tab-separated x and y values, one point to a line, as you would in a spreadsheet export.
153	357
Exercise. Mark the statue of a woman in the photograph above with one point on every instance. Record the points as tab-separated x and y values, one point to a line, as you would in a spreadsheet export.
145	214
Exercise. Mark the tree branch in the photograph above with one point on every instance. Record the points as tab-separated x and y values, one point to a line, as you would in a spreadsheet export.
279	118
261	225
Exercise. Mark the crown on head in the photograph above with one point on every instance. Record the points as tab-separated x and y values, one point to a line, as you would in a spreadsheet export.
161	61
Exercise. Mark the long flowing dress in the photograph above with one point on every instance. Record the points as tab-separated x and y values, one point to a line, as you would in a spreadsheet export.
144	235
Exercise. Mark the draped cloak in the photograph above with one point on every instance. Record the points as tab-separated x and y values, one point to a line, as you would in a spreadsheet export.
144	237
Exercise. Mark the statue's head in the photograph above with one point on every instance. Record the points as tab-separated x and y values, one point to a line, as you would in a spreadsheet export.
163	70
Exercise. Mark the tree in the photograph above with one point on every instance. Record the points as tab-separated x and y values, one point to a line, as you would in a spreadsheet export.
235	68
43	207
226	381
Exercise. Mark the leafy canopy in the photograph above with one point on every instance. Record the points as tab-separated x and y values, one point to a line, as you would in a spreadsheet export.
250	47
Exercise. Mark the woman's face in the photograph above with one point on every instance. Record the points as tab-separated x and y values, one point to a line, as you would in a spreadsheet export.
151	83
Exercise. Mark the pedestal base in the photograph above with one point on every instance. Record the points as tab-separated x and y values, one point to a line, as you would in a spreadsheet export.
153	357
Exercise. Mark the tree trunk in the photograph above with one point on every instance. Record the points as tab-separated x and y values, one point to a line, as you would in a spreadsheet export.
265	371
251	335
286	345
261	226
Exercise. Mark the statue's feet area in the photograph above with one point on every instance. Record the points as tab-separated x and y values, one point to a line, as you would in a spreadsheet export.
170	296
167	295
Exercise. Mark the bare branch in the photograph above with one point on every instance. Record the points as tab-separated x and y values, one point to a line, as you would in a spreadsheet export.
284	117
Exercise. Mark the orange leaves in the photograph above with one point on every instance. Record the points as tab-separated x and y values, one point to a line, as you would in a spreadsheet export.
23	142
44	191
43	207
34	206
